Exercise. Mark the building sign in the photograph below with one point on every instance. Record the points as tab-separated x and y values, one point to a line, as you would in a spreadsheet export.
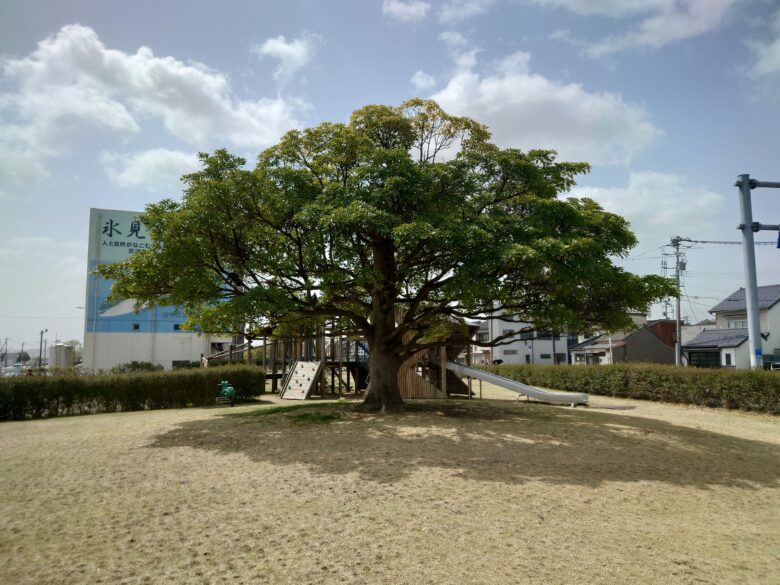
114	236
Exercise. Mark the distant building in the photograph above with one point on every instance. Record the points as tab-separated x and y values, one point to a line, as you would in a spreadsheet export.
523	345
61	356
653	342
114	333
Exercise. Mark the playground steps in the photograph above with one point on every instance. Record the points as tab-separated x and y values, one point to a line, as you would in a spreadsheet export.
301	381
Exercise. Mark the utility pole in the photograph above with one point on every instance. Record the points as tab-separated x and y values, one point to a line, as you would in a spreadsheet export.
677	341
748	227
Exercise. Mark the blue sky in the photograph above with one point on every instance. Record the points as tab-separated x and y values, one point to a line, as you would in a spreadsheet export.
105	105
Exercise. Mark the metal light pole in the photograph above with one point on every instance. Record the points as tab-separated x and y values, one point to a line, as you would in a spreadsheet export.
748	227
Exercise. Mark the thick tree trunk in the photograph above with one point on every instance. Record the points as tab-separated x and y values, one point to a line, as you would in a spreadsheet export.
383	360
383	391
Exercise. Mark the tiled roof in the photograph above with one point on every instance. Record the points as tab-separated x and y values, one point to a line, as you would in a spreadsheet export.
718	338
603	341
767	297
585	343
663	328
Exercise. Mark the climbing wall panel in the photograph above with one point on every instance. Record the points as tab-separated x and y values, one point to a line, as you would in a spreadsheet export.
301	381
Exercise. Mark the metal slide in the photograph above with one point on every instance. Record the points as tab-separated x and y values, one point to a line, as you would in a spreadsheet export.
519	387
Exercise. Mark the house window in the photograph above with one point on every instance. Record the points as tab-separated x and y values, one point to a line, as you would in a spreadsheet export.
482	337
545	356
738	324
728	359
527	359
507	331
176	327
136	326
510	352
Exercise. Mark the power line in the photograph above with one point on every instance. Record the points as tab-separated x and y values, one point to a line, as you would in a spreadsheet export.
645	258
690	304
727	242
650	250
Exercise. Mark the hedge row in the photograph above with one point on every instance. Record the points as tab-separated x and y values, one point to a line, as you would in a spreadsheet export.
35	397
757	390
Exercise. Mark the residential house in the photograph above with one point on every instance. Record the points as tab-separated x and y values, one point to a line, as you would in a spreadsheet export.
718	348
726	344
653	342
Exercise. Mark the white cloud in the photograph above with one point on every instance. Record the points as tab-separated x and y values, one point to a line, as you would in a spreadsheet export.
72	82
405	11
526	110
453	39
662	21
292	55
456	10
422	81
660	205
155	170
20	164
613	8
767	54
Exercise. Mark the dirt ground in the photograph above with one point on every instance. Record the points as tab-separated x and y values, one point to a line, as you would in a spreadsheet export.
457	492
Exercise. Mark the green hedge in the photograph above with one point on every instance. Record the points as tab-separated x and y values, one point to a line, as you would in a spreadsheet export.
35	397
757	390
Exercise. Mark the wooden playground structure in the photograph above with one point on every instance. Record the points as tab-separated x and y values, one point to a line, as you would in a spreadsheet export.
327	363
330	363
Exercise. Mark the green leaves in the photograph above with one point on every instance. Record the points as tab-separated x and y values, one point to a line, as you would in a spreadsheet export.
408	204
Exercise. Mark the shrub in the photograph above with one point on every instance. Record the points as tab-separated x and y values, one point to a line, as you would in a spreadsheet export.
136	367
757	390
185	365
36	397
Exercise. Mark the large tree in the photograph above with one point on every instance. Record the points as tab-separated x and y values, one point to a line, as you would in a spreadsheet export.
396	226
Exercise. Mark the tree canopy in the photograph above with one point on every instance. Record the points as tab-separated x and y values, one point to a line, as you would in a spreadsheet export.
405	220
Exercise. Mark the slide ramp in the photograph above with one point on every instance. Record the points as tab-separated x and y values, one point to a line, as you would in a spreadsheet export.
524	389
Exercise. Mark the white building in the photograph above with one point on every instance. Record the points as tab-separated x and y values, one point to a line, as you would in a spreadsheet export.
114	333
523	347
61	356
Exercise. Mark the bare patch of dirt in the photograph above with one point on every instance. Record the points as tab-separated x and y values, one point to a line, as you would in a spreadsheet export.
493	491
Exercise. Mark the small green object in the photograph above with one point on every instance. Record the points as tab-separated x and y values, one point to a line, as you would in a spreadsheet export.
226	390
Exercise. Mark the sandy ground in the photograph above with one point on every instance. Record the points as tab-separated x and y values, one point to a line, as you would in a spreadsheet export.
482	492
